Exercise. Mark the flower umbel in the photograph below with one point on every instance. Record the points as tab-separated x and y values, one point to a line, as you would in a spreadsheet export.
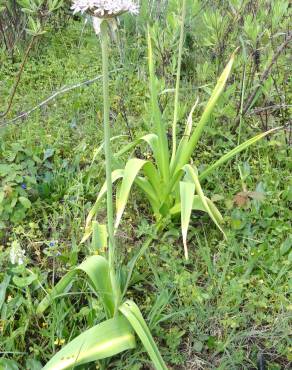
105	8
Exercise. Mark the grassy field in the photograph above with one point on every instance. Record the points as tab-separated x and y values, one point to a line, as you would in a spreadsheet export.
229	305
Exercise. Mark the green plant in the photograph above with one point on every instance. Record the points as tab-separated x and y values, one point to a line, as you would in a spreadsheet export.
232	299
18	182
124	318
24	16
170	183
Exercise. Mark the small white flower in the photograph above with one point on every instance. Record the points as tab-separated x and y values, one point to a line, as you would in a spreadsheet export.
17	254
105	8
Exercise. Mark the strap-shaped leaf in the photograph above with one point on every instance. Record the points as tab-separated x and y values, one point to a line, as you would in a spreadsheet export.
116	175
150	139
162	153
99	237
193	174
178	77
199	206
97	270
187	192
233	153
185	138
149	192
103	340
3	287
98	150
131	311
190	147
131	171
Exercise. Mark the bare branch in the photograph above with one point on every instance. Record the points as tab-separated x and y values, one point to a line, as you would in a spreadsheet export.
3	114
63	90
270	107
265	75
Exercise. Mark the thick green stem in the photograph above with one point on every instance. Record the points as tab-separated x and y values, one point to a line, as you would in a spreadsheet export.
108	161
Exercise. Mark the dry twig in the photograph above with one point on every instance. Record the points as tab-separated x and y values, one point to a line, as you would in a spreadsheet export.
264	76
3	114
53	96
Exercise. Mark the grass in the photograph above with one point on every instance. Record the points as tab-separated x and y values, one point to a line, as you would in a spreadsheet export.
220	309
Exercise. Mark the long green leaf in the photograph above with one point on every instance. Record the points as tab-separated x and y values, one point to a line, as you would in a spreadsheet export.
187	192
233	152
100	148
116	175
99	237
151	173
199	206
132	169
150	139
103	340
97	269
192	173
149	192
186	154
187	133
162	154
176	98
3	287
131	311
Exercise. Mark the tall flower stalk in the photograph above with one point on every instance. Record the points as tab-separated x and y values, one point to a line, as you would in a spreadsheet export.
108	161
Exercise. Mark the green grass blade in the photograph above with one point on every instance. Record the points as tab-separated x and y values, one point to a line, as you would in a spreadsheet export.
233	152
190	147
162	152
97	269
192	173
132	263
103	340
187	192
131	311
57	290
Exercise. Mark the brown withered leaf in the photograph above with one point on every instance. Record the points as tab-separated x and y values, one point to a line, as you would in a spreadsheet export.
241	199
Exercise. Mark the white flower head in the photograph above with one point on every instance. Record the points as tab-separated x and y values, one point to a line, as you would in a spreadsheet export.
105	8
17	254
